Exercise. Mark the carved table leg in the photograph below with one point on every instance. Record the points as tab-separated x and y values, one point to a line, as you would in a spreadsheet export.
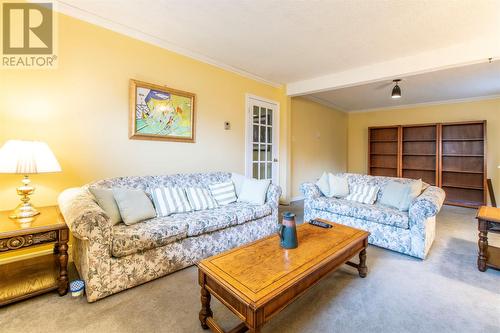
63	262
362	269
482	257
205	311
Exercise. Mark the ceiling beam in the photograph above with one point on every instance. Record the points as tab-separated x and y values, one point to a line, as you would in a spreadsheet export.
455	56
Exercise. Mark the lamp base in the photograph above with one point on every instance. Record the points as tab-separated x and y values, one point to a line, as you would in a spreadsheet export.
24	210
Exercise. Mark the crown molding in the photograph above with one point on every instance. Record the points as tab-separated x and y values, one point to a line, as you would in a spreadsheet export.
323	102
449	101
129	31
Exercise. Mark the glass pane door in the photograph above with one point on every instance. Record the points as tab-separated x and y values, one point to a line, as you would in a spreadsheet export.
263	157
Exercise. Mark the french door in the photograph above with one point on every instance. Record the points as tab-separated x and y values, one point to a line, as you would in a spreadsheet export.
262	134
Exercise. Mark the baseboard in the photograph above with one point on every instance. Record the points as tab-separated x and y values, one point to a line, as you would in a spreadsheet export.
297	198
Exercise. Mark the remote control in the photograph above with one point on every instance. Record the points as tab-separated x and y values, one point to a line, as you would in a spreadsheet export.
320	224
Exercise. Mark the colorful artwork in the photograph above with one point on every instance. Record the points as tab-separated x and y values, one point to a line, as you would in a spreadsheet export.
161	113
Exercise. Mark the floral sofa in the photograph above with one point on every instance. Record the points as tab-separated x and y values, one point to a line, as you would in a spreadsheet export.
111	258
410	232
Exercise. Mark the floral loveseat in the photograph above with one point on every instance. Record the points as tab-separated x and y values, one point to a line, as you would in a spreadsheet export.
410	232
111	258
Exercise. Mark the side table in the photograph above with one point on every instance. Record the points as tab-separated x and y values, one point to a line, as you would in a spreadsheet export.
29	277
488	221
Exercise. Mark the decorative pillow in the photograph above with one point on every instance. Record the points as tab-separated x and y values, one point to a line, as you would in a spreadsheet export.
254	191
399	195
134	205
323	184
223	193
200	198
363	193
338	186
106	201
169	200
238	181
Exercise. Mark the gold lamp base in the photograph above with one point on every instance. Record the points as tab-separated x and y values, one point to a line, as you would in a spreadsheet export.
24	209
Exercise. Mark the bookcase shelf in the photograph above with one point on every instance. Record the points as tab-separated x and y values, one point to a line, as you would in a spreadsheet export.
449	155
465	139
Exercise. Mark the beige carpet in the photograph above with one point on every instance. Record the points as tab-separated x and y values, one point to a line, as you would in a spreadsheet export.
444	293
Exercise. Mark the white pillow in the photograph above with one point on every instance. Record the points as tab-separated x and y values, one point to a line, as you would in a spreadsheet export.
223	193
338	186
200	198
363	193
323	184
254	191
238	181
135	206
169	200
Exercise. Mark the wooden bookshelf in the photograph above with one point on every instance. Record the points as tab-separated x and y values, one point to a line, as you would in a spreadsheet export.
419	159
463	163
449	155
383	151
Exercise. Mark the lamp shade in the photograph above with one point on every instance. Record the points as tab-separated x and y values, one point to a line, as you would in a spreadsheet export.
396	92
27	157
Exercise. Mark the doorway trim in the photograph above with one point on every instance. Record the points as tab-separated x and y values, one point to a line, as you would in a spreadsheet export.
248	134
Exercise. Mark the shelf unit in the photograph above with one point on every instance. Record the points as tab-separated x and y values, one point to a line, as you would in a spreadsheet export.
383	151
419	155
449	155
463	163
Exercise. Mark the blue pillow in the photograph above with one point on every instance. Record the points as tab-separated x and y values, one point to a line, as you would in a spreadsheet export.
400	196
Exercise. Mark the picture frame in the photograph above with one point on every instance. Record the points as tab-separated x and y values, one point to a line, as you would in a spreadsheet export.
160	113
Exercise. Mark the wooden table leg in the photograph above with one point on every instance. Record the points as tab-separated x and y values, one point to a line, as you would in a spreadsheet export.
362	269
62	249
482	257
205	311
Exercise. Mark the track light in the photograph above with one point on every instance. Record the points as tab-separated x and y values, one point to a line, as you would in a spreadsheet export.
396	91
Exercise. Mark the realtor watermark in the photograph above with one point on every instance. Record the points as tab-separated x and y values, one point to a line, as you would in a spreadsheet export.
28	35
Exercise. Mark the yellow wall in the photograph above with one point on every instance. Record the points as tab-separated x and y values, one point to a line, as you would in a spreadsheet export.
81	110
480	110
319	141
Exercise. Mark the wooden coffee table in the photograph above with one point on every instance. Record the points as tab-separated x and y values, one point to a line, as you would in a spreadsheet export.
259	279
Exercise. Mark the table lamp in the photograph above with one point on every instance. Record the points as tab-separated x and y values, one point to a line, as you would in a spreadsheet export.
25	158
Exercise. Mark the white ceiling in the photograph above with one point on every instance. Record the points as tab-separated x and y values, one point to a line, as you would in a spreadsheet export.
467	82
311	46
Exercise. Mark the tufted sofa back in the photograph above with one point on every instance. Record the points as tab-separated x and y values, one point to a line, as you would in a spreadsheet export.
360	179
175	180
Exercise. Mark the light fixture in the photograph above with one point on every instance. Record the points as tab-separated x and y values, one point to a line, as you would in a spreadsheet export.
26	157
396	91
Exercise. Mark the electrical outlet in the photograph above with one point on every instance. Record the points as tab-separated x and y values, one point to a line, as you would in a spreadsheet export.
227	125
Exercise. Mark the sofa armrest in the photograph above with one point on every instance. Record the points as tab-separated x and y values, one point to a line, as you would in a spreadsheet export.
310	190
427	204
273	196
84	217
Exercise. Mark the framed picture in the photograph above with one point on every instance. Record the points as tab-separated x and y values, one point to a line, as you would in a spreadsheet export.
160	113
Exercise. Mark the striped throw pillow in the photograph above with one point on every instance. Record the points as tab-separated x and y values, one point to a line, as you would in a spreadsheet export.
169	200
363	193
223	193
200	198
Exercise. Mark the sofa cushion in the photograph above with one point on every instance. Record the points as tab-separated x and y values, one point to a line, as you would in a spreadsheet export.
204	221
375	213
146	235
247	212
